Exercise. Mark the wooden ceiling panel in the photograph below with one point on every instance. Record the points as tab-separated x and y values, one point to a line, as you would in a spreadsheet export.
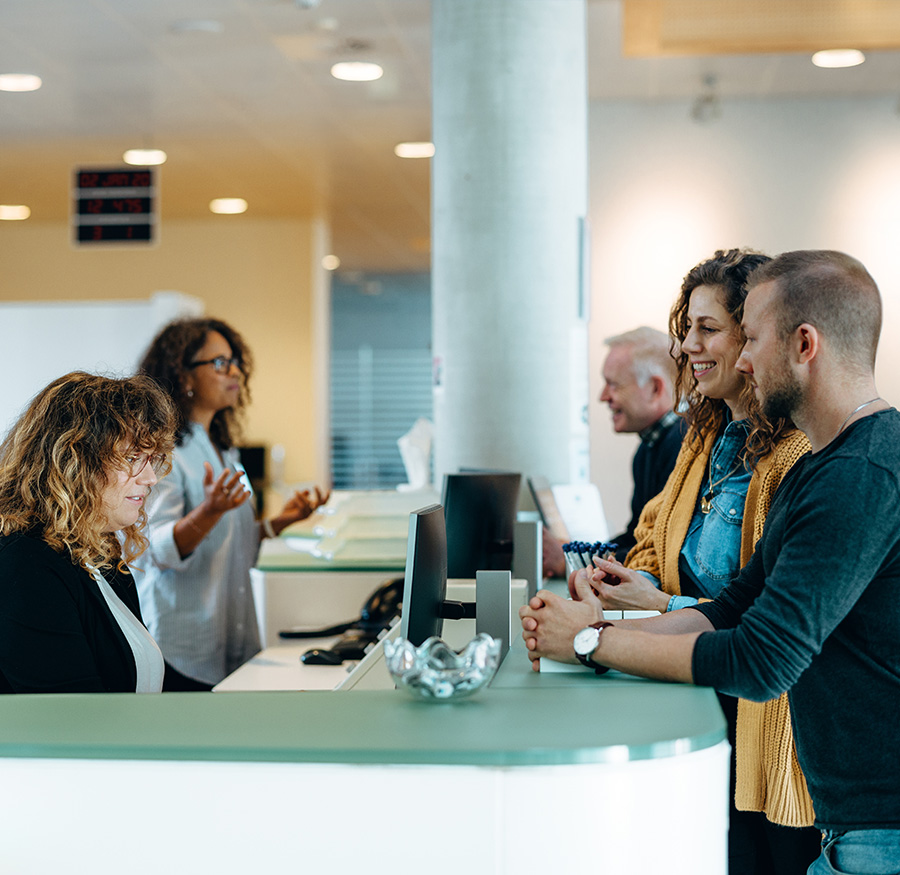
667	28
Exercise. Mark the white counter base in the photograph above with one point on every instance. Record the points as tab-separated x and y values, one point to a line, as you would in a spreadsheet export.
108	817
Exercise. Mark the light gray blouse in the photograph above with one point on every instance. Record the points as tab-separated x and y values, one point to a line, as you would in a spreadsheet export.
199	608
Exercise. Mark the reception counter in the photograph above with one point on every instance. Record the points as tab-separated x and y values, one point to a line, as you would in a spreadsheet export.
541	772
559	771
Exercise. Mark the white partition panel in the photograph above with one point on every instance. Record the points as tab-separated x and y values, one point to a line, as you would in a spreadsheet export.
44	340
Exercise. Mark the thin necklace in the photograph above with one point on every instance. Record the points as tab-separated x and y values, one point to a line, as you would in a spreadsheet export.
706	500
852	413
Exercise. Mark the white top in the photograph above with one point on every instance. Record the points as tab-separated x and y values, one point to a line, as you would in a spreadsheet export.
148	660
200	608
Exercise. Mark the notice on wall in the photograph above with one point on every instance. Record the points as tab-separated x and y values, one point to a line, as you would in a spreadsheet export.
114	206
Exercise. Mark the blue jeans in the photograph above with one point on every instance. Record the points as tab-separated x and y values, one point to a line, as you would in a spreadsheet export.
858	852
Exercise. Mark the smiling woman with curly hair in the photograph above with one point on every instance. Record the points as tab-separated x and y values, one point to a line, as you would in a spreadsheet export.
75	473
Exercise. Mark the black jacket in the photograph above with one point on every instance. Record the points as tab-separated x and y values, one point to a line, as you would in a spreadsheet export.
57	634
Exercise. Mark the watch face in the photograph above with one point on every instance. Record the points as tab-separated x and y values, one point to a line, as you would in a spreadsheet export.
585	642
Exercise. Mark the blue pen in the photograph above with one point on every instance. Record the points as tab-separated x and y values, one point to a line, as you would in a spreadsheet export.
584	551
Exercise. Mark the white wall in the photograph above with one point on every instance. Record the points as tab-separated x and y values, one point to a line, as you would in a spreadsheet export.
44	340
775	175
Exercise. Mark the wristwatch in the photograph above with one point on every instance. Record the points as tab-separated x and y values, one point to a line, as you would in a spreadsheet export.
586	642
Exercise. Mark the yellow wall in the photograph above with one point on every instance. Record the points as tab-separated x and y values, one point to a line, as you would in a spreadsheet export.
260	275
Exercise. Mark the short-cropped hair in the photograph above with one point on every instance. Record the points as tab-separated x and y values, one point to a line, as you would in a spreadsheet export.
58	458
650	353
831	291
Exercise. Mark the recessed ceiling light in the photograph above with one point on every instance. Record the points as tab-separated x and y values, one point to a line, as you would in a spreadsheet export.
19	82
228	206
838	58
14	212
414	150
145	157
357	71
331	262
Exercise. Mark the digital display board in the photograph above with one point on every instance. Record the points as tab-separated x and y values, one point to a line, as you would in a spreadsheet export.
114	206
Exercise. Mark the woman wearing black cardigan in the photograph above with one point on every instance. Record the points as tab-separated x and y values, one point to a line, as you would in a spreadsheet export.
75	473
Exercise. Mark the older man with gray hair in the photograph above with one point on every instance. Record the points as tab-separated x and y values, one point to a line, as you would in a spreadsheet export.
638	387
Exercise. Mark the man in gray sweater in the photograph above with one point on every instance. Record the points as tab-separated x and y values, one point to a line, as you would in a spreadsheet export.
816	610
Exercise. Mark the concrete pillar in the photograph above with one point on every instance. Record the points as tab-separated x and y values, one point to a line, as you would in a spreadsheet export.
509	197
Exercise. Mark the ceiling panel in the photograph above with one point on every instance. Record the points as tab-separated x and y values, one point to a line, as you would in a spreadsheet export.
252	111
658	28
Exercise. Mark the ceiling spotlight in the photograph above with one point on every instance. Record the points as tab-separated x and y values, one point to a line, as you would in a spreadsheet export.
14	212
357	71
145	157
19	82
838	58
414	150
228	206
331	262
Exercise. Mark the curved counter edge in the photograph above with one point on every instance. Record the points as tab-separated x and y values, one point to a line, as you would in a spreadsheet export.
585	722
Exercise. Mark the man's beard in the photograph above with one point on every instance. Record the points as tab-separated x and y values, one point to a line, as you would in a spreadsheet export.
783	400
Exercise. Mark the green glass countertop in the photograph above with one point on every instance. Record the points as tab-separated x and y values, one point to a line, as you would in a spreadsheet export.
364	554
360	531
523	719
502	727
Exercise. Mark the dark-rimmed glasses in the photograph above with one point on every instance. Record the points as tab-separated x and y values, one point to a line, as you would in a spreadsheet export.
221	363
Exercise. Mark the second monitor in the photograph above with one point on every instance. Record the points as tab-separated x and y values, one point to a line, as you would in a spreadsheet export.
480	514
425	606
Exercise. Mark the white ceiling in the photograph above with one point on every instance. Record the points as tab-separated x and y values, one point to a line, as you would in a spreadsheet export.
252	111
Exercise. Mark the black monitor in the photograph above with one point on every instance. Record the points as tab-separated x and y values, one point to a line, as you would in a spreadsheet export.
425	581
480	513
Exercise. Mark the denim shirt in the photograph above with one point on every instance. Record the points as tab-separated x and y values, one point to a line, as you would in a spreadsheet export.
711	553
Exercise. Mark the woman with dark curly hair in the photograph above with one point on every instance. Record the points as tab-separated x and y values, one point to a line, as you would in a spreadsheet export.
701	529
75	473
204	537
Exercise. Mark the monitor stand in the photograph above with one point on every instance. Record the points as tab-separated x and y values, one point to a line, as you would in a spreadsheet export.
494	607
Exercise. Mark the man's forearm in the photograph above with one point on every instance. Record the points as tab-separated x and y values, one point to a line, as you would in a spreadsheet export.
656	647
672	623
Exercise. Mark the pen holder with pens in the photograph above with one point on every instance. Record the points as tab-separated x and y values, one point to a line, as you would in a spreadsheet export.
580	554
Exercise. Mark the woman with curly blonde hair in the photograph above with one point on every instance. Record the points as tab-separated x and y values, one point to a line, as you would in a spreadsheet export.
75	473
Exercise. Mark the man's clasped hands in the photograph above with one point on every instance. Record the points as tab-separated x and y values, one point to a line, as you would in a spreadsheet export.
550	622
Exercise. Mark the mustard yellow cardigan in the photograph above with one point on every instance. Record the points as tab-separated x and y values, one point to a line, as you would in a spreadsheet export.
769	778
